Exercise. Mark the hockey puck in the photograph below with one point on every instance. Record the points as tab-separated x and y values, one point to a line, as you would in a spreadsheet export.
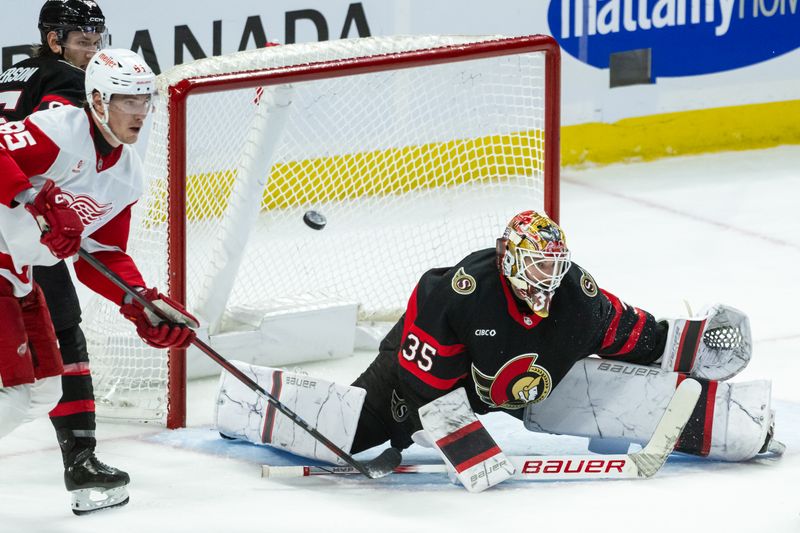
314	220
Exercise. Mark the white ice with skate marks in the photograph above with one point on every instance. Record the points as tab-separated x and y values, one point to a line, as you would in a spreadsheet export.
707	228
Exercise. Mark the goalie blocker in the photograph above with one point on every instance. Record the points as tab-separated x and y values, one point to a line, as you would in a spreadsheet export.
466	447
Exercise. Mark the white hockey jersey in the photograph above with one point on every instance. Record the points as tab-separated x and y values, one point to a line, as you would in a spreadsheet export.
59	144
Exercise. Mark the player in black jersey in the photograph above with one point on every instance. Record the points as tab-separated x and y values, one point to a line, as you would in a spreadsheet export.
71	32
499	331
506	324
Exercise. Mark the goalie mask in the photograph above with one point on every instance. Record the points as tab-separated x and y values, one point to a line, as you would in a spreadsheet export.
532	254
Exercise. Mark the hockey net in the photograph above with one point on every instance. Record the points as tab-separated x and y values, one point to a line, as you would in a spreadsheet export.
418	150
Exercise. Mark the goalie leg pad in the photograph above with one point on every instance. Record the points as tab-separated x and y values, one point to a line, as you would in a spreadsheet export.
330	408
716	345
612	400
464	443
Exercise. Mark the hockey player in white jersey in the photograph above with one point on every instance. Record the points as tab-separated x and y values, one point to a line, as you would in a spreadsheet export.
69	180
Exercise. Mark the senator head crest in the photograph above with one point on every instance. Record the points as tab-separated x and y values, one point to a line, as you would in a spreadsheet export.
519	382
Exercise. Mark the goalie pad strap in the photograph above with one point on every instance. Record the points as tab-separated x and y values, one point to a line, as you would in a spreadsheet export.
468	446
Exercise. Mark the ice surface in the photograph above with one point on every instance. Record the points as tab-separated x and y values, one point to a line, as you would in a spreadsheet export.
721	227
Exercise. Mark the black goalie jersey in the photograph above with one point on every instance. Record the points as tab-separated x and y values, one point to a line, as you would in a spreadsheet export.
464	327
39	83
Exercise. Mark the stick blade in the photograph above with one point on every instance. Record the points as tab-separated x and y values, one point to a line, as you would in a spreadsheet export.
384	464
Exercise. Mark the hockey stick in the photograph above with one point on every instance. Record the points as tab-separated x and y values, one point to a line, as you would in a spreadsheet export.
638	465
380	466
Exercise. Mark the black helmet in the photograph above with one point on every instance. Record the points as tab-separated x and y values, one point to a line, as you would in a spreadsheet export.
64	16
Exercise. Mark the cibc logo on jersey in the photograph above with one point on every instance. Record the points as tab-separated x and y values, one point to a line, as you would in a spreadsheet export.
519	382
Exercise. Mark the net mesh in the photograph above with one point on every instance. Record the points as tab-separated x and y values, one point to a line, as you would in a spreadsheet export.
413	169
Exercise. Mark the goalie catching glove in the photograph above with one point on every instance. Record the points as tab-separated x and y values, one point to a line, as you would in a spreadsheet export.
715	345
155	332
60	225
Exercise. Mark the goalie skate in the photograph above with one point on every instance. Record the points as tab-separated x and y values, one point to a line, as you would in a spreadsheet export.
94	485
771	445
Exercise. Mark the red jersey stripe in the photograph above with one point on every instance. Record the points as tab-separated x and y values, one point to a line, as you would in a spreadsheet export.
527	321
48	99
425	377
77	369
73	408
611	332
633	338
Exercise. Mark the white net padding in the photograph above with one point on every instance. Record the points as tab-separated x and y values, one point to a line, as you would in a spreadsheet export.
413	168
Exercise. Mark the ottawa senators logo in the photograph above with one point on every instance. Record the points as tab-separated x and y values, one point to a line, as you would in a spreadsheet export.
399	407
588	284
463	283
517	383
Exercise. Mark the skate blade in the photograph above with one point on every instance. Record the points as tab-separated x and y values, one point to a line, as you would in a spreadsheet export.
85	501
776	447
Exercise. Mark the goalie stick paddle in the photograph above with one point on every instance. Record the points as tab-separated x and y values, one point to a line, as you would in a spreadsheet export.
382	465
639	465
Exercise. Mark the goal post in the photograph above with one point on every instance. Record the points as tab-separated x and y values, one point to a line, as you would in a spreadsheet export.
418	149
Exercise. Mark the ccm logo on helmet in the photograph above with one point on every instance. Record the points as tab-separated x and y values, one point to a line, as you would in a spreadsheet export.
485	333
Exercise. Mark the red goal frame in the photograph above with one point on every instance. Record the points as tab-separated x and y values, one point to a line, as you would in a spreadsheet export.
180	92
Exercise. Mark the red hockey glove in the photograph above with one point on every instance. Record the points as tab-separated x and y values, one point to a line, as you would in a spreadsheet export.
60	224
156	332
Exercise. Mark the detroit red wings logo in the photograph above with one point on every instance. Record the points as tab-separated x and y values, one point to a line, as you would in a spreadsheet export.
519	382
87	208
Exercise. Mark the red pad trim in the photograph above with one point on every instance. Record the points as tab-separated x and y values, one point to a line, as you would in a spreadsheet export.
477	459
459	433
468	446
686	354
269	422
709	425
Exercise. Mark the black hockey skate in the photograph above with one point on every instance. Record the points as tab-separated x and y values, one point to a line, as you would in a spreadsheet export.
94	485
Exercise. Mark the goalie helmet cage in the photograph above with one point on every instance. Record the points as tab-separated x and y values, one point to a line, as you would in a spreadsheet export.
417	149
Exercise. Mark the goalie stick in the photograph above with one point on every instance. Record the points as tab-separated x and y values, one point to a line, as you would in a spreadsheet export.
382	465
642	464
